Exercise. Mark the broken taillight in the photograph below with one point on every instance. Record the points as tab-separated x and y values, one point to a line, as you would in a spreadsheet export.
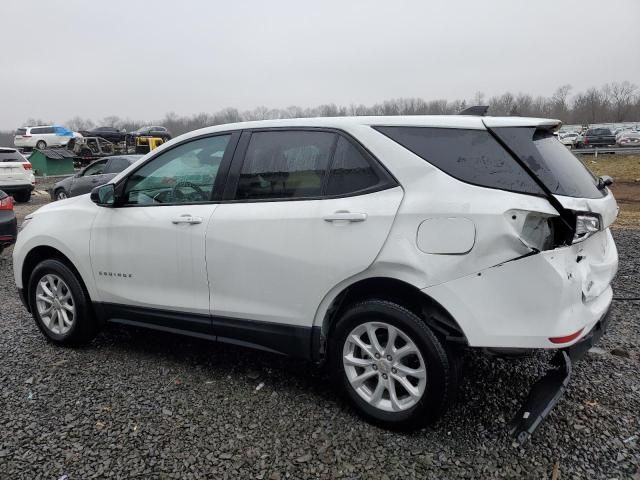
586	225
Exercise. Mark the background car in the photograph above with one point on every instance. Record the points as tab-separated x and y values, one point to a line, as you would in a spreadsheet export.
596	137
152	131
16	174
111	134
43	136
95	174
8	224
568	138
628	139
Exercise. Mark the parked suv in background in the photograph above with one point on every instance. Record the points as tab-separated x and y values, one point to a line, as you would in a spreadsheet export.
16	174
43	136
382	245
596	137
152	131
95	174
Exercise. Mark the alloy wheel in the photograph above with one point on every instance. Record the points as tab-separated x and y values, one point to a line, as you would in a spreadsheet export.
55	304
384	366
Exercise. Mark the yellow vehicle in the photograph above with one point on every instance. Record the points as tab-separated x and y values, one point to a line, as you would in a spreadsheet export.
146	144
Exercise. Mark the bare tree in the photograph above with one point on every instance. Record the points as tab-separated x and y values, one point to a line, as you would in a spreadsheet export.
559	101
621	96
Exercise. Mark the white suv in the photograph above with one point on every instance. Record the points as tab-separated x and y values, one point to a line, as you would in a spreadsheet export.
383	245
16	174
43	136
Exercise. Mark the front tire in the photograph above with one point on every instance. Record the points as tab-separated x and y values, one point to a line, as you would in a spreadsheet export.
391	365
61	308
61	194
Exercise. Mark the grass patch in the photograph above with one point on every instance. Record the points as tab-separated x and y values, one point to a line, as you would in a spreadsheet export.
625	171
623	168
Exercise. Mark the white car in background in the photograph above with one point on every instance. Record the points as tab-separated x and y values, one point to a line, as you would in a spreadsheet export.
568	138
16	174
43	136
381	245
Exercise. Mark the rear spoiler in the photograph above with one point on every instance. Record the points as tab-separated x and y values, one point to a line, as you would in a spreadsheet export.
476	111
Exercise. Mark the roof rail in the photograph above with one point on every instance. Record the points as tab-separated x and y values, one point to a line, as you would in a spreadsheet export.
476	110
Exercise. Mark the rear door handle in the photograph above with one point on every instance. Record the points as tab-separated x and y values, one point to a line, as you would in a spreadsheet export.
187	218
345	216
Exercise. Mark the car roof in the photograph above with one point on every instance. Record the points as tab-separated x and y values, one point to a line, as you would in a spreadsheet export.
440	121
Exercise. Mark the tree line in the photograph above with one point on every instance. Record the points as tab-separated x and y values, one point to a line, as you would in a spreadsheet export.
613	102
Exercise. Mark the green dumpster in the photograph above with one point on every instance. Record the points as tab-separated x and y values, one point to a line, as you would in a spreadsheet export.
52	161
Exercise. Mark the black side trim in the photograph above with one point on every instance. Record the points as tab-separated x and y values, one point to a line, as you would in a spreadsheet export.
280	338
191	322
290	340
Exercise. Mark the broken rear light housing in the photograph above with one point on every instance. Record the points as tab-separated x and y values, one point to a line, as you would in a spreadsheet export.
586	225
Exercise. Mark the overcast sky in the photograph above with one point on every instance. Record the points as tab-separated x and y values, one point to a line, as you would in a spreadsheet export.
142	59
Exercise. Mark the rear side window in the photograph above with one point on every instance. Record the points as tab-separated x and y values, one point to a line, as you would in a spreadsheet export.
21	131
116	165
554	164
286	164
472	156
350	171
41	130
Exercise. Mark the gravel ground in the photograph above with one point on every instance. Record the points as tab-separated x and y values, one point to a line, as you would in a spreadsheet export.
149	405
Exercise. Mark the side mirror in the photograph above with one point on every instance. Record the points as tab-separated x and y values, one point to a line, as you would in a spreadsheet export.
606	180
104	195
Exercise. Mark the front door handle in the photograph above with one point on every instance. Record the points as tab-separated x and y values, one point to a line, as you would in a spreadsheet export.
345	216
187	218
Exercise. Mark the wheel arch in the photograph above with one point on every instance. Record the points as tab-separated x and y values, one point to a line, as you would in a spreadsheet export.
388	288
46	252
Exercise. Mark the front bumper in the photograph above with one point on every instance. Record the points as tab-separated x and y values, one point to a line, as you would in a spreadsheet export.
548	390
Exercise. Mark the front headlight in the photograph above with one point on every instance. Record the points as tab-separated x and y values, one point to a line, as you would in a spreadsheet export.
26	221
586	225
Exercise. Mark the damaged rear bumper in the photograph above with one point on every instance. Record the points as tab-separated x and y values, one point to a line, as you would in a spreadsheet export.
548	390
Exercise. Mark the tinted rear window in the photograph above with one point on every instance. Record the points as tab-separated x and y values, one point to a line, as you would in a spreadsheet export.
472	156
554	164
21	131
350	171
9	156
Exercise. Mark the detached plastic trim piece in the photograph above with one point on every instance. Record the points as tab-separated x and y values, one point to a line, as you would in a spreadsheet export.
542	397
548	390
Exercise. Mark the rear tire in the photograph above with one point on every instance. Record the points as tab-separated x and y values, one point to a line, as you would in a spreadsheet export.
431	372
41	145
23	196
59	304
